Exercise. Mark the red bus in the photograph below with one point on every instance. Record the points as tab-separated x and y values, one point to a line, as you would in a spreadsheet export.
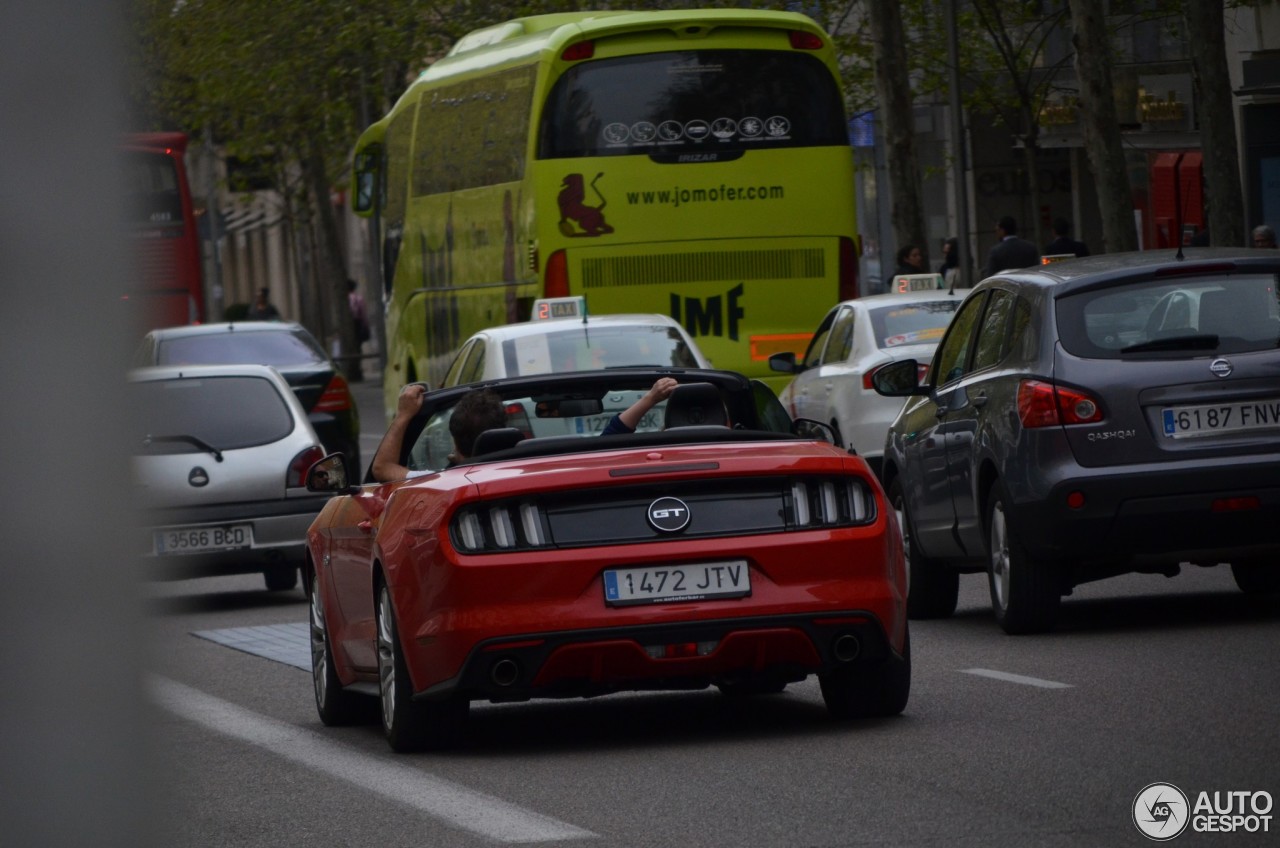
169	290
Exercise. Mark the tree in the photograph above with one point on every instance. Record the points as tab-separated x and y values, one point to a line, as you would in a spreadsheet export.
896	114
1101	126
288	85
1217	122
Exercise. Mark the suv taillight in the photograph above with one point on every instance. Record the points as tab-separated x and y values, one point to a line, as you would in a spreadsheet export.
297	476
336	396
1043	404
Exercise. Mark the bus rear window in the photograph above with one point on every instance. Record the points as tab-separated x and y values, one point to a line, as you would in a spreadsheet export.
692	101
156	198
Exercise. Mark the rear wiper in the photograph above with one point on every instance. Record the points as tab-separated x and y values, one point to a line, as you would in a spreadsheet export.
149	440
1198	341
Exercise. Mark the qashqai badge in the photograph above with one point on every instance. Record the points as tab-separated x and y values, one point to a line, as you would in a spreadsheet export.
1221	367
198	477
669	515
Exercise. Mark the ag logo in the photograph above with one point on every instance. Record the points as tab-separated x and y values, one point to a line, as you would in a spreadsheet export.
669	515
1161	811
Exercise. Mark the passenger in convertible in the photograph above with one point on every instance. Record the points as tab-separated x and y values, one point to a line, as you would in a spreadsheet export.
628	419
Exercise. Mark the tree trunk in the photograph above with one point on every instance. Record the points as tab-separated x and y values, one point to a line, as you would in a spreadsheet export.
896	116
1101	125
330	272
1214	106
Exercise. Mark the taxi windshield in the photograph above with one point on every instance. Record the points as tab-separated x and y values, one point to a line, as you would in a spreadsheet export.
584	347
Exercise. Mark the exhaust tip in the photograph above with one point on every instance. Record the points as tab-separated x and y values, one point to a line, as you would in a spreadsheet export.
846	647
504	672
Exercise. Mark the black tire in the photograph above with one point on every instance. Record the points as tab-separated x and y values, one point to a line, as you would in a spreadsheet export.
1257	577
410	725
280	578
933	587
1025	595
877	691
335	705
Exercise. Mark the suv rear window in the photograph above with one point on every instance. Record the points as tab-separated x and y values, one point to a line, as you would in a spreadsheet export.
223	412
1186	315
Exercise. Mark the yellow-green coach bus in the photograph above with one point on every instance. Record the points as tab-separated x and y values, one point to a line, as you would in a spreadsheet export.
694	163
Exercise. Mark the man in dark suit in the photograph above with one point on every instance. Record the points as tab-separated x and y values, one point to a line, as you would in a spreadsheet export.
1010	251
1064	243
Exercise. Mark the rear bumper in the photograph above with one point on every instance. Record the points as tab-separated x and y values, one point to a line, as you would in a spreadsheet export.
688	655
1199	515
279	536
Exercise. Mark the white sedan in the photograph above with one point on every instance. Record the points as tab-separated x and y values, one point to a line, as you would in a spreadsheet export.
567	339
855	339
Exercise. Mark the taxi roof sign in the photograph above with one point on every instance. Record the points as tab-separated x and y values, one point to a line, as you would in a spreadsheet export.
1056	257
917	282
548	308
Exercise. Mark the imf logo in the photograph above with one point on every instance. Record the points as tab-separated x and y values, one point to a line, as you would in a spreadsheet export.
668	515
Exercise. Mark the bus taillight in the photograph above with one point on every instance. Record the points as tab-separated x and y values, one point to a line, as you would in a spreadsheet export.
805	40
557	279
848	270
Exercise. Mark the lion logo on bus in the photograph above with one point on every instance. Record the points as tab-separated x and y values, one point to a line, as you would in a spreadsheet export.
576	217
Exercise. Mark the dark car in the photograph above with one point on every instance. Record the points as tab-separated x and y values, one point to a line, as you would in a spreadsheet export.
735	554
1107	415
284	345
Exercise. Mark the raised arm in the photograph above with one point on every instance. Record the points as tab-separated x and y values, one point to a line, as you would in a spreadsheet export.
386	462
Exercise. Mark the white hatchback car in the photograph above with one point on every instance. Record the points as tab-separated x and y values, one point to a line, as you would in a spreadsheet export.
855	339
220	461
569	340
566	339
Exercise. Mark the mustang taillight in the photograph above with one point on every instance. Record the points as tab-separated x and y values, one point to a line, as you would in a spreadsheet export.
499	526
297	474
1043	404
822	502
336	396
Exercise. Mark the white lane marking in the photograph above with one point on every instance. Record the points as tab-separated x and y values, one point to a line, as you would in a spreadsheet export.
464	808
1016	678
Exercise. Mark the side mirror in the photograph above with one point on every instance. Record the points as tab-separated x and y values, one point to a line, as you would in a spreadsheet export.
329	475
784	362
899	379
807	428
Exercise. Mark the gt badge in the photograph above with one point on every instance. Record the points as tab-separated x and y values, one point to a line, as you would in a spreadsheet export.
668	515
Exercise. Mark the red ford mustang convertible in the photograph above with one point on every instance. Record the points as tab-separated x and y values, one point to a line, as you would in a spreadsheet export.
720	545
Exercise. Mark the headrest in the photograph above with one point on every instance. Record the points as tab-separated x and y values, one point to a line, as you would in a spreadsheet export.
499	438
695	405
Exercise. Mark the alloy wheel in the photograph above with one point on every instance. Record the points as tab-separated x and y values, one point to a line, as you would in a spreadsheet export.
386	658
999	556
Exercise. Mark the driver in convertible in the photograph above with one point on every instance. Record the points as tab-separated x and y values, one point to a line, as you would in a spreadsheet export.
477	411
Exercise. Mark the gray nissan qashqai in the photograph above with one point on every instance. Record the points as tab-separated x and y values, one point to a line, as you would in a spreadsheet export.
1090	418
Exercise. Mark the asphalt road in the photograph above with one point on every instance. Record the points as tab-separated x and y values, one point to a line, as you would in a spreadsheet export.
1029	741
